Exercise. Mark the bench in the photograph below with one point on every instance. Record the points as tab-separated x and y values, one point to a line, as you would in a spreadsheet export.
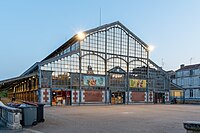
192	126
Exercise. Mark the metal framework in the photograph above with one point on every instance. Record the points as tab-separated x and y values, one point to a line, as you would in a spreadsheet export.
103	49
111	51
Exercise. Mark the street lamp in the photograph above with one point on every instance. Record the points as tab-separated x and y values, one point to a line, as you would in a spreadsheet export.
150	48
80	36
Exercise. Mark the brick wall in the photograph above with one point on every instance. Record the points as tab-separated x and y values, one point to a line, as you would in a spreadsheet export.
138	96
93	96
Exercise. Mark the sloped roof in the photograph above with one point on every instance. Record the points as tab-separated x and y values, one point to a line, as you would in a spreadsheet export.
13	81
70	42
175	86
31	69
189	67
103	27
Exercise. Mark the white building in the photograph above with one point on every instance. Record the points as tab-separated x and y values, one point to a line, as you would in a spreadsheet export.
188	77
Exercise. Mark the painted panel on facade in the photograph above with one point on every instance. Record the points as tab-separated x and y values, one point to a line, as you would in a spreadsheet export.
45	95
166	96
93	81
75	96
137	83
93	96
138	96
151	96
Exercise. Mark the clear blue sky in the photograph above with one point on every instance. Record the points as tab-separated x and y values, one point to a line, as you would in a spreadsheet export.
30	30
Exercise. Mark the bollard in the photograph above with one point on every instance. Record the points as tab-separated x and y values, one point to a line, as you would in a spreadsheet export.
192	126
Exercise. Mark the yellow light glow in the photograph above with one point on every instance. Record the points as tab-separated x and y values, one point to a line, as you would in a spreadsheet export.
81	35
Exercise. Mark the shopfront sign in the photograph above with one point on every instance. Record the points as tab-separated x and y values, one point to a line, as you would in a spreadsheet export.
137	83
94	81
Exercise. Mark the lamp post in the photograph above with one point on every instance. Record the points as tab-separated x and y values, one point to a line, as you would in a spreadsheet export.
80	37
147	90
150	48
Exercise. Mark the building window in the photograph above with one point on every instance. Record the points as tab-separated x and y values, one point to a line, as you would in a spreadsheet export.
196	81
196	71
191	81
191	93
199	81
179	81
179	74
191	72
199	93
186	73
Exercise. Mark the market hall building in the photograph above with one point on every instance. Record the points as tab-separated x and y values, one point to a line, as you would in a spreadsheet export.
105	65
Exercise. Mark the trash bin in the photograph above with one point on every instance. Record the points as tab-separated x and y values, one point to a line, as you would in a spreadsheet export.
40	112
29	115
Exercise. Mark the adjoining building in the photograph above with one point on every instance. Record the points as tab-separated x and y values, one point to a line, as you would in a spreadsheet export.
176	91
107	65
188	77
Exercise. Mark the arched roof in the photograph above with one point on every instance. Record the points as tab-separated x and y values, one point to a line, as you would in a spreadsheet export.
91	31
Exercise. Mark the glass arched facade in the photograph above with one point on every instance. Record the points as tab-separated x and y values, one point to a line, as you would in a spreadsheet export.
110	65
109	62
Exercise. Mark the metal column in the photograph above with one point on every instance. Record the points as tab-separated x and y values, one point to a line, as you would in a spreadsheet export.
106	74
128	72
80	58
147	90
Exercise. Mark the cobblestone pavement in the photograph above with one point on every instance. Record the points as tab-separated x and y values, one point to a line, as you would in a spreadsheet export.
115	119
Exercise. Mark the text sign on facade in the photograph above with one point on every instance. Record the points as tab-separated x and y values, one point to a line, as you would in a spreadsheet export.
94	81
137	83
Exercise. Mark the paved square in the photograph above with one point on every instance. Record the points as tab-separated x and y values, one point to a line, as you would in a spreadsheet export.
117	119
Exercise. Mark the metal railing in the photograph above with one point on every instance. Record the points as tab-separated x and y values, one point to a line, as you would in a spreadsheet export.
10	116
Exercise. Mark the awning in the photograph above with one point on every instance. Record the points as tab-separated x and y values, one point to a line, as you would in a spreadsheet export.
6	84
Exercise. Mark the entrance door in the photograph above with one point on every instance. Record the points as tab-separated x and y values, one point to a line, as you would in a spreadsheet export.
118	98
68	98
159	97
58	97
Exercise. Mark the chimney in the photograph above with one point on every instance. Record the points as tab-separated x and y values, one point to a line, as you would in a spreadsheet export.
182	65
